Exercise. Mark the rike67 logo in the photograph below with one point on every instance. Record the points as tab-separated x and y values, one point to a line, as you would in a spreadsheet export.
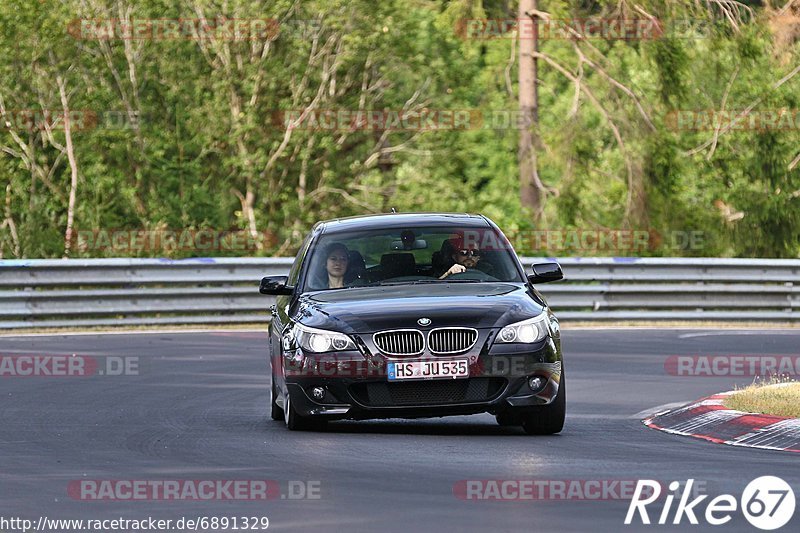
767	503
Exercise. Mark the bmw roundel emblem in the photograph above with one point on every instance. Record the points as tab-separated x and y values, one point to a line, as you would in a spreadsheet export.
424	321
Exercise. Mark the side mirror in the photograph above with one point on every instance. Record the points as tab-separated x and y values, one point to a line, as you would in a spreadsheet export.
545	272
275	285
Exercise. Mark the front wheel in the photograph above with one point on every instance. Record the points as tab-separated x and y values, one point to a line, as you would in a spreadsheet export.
507	419
275	412
297	422
548	419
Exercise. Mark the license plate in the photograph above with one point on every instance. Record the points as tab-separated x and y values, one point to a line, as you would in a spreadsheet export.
428	370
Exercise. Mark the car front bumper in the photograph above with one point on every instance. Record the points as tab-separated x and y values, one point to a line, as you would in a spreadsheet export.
356	386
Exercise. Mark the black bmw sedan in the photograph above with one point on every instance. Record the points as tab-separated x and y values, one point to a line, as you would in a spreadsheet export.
413	315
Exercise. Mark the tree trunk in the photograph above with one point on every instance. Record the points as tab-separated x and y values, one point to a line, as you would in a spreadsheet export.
530	187
73	167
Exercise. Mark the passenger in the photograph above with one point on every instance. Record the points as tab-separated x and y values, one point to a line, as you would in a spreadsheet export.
337	260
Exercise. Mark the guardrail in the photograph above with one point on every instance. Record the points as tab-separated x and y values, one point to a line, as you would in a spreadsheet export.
103	292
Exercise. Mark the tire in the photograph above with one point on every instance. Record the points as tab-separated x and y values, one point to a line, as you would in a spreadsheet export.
296	422
276	413
548	419
507	419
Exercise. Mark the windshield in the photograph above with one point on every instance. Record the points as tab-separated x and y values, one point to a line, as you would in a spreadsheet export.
409	256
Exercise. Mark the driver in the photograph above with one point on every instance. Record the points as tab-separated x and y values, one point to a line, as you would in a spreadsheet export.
463	258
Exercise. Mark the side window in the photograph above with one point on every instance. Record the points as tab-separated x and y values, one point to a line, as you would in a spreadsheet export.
294	272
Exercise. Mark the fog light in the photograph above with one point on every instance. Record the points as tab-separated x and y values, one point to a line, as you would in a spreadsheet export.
318	393
536	383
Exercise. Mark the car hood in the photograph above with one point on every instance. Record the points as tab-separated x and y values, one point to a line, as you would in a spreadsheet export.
371	309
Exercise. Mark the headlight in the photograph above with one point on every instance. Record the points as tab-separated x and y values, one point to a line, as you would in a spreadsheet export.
320	340
528	331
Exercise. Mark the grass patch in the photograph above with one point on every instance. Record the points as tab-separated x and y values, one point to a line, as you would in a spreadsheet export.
767	398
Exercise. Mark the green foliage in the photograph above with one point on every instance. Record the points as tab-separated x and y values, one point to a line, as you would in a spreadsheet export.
188	132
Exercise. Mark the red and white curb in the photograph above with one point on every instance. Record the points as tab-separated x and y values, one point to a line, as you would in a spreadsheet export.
708	419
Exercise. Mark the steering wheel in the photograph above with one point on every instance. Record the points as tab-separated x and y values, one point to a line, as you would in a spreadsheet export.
471	273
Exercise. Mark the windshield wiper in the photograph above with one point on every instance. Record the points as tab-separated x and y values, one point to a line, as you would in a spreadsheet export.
418	282
383	283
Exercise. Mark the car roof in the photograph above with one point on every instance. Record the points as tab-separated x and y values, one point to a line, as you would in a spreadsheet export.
402	220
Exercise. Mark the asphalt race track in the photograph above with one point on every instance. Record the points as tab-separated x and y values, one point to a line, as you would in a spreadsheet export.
197	410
